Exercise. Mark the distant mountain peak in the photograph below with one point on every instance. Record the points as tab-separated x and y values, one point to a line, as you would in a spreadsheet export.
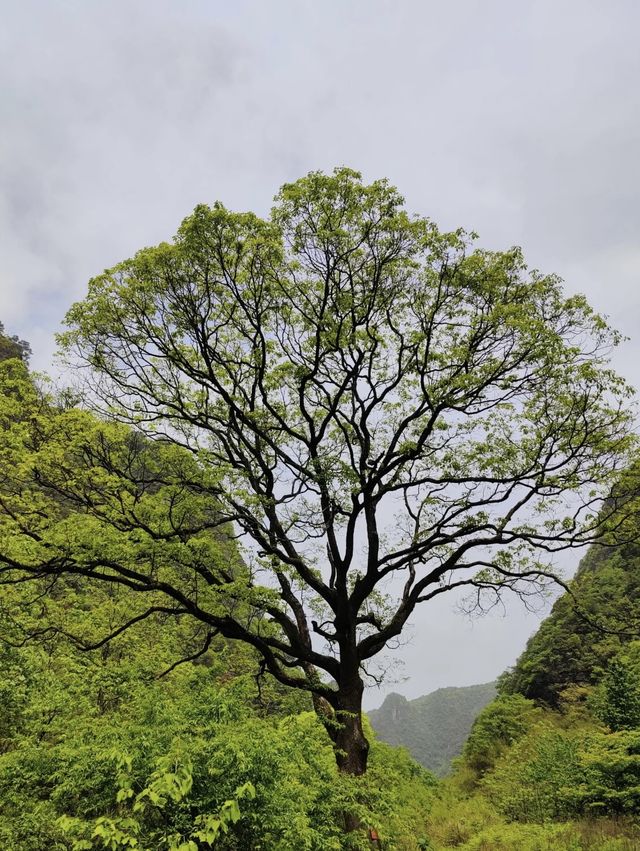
433	727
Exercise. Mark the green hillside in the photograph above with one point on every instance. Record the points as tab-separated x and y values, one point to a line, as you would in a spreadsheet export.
575	643
553	763
434	727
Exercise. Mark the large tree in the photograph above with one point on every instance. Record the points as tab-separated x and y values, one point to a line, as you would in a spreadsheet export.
379	412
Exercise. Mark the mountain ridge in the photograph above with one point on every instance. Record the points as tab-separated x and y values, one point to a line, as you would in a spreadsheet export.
434	726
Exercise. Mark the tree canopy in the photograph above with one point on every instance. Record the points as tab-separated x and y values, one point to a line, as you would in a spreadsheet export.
378	412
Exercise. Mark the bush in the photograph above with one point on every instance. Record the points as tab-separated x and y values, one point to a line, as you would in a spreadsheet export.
536	779
617	702
611	773
500	724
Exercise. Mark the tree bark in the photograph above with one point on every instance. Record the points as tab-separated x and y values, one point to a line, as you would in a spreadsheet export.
350	743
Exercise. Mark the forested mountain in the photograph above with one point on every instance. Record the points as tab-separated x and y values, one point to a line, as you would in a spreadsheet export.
554	761
576	642
434	727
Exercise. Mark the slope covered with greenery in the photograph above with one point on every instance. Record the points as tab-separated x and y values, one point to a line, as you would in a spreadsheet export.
554	761
97	751
575	643
433	727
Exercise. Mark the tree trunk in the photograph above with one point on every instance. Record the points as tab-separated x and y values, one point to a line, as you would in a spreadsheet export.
342	719
350	744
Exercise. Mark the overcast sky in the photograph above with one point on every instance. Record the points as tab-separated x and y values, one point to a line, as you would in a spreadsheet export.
518	120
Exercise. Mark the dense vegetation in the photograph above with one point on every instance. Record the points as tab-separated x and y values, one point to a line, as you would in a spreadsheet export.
576	643
97	751
433	727
554	761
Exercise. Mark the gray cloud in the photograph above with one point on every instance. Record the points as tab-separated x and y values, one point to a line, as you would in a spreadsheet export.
521	121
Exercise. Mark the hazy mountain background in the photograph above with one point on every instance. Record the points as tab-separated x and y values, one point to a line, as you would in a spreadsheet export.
434	727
